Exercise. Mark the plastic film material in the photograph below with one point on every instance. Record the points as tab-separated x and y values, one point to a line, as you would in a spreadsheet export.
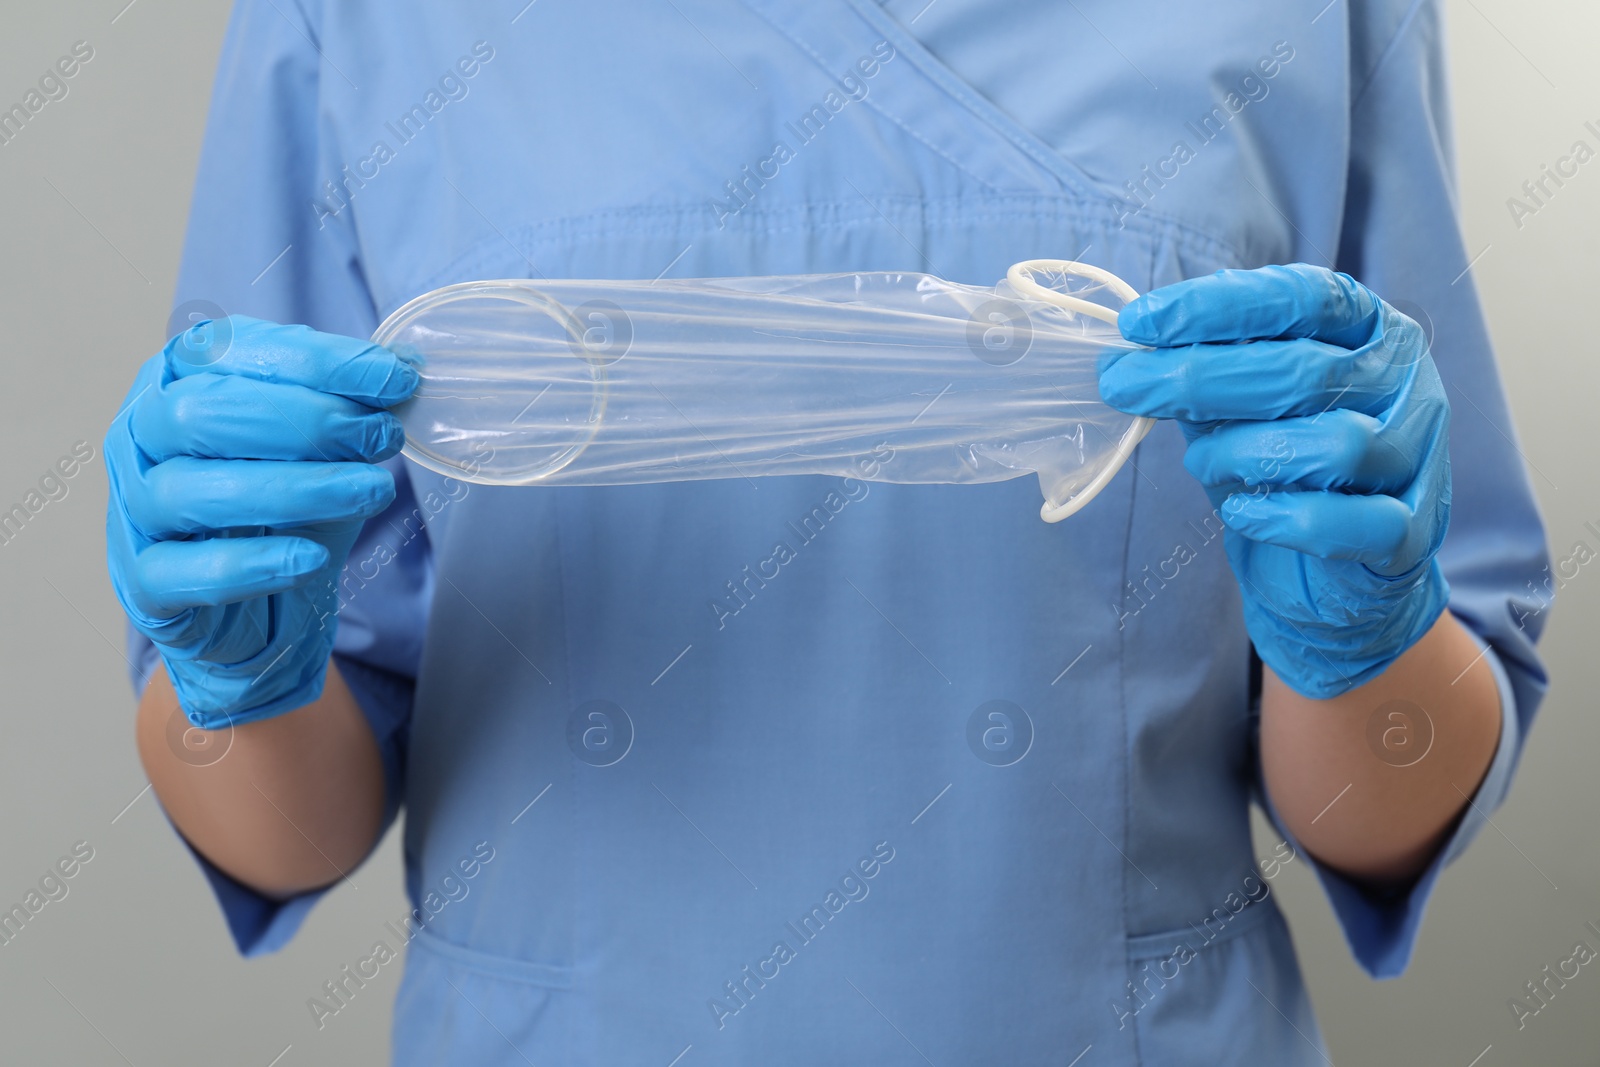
889	377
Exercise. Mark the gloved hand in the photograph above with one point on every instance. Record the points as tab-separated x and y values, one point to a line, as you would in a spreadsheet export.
1319	427
241	472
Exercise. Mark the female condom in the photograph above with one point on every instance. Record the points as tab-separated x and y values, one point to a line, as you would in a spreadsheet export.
886	376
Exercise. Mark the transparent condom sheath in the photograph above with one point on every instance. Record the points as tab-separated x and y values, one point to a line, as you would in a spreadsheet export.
890	377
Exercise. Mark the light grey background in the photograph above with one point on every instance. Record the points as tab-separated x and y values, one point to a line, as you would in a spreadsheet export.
134	966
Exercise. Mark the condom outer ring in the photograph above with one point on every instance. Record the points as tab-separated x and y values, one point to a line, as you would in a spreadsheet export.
516	290
1021	278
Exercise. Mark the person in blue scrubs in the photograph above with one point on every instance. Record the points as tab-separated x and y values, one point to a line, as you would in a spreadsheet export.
952	785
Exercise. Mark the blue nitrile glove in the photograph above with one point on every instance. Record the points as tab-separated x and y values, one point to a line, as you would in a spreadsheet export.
1318	424
241	472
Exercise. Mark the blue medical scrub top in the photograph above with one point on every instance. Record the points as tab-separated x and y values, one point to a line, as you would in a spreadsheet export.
947	784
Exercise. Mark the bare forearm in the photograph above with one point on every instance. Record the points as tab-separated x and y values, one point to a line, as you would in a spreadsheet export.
1372	781
292	803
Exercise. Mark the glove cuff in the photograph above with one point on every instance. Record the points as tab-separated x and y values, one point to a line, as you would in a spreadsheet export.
1325	661
277	680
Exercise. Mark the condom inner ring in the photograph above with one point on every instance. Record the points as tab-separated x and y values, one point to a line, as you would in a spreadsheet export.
551	456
